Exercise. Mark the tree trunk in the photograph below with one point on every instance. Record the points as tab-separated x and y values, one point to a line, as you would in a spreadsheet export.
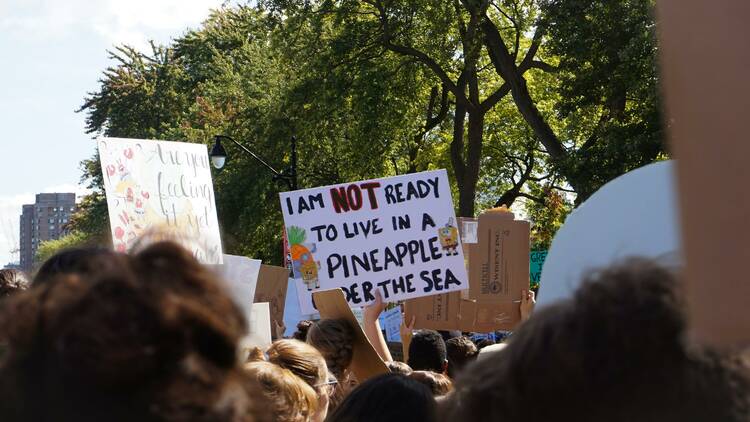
468	193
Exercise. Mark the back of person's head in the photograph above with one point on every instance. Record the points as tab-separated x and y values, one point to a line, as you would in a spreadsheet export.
302	328
147	337
427	352
482	343
301	359
11	282
438	384
397	367
80	261
334	338
613	352
461	351
449	334
284	395
386	398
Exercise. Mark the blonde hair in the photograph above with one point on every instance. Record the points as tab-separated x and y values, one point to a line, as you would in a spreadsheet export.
285	395
301	359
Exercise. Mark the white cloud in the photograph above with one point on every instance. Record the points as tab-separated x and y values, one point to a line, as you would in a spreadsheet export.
116	21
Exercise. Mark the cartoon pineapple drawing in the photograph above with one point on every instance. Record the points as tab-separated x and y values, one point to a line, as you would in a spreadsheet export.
448	236
303	261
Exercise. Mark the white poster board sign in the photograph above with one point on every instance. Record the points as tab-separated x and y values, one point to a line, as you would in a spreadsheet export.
160	184
390	322
397	235
241	274
634	215
259	327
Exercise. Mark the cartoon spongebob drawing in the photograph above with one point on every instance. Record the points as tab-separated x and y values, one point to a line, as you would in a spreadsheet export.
448	236
303	261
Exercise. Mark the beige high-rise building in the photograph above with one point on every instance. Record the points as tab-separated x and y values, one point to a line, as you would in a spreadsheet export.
46	219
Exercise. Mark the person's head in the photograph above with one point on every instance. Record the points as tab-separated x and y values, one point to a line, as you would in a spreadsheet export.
461	351
615	352
427	352
482	343
438	384
284	395
302	328
12	282
490	350
397	367
308	364
149	337
334	338
79	261
386	398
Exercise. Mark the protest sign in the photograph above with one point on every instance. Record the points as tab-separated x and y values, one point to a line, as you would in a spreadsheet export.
390	322
438	312
366	362
397	235
259	327
536	261
590	239
272	288
707	114
241	274
158	184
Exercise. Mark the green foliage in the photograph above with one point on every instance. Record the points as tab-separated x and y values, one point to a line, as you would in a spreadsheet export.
50	247
362	104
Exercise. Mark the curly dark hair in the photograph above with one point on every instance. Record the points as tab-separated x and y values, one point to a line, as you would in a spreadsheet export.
613	352
150	337
461	351
302	328
427	351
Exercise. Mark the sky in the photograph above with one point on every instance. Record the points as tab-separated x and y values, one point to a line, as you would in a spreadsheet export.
52	53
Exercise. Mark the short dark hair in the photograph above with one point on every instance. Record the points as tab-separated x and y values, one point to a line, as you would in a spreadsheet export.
427	351
397	367
385	398
80	261
613	352
461	351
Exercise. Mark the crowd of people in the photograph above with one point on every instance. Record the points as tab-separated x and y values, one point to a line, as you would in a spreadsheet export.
98	335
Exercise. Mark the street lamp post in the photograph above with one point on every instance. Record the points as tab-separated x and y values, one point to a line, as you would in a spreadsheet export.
218	157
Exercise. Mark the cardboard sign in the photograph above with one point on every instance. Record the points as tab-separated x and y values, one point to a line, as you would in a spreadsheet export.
390	322
271	288
589	240
707	115
438	312
366	362
259	327
397	235
536	261
160	184
499	264
241	274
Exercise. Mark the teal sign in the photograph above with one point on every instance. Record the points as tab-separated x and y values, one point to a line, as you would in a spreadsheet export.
536	260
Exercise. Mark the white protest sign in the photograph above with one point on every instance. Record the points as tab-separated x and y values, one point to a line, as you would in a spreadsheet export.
634	215
160	184
241	274
397	235
259	327
390	321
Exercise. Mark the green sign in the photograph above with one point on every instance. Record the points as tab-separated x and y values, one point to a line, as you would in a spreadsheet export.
536	260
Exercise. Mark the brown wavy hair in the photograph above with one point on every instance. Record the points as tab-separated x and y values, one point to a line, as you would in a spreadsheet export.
334	338
145	337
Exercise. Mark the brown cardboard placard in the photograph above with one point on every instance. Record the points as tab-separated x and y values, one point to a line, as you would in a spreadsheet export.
366	362
499	262
707	99
271	288
438	312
